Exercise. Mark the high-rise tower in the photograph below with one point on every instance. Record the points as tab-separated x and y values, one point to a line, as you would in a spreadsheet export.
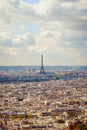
42	67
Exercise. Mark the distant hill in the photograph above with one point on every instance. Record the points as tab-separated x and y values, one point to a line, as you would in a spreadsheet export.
83	68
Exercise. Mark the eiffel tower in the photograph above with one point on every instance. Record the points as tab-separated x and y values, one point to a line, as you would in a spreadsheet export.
42	67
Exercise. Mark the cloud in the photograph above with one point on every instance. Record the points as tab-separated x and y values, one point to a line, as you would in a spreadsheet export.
71	13
8	39
63	29
15	44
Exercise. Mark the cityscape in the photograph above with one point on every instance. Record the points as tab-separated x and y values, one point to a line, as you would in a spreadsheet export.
43	99
43	65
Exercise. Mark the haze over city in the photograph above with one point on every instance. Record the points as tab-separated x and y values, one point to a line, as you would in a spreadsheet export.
55	28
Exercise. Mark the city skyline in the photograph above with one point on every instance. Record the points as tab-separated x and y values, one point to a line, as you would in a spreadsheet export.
57	29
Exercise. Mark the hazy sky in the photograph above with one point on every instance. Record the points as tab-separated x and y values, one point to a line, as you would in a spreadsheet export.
55	28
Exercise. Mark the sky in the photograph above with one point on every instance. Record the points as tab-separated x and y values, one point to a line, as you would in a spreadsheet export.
55	28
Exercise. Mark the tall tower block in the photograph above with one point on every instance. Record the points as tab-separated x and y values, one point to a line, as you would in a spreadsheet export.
42	67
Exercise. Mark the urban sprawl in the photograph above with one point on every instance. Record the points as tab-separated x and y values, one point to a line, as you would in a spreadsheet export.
56	104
